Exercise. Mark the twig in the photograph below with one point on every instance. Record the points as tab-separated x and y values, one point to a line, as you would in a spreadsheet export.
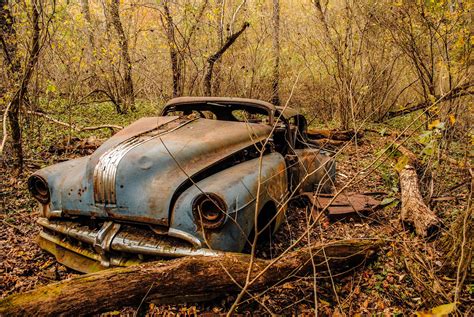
143	299
76	128
5	132
13	226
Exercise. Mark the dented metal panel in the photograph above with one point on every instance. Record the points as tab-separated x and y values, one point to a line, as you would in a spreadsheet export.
237	186
106	169
316	171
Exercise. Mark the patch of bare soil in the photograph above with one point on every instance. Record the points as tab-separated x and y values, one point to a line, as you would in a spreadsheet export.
397	281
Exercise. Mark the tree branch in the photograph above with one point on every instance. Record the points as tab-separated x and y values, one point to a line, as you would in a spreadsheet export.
217	55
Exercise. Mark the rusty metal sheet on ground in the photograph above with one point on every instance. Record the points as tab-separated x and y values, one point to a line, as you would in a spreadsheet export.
344	205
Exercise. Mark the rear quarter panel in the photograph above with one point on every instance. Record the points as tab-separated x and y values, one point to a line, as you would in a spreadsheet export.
237	186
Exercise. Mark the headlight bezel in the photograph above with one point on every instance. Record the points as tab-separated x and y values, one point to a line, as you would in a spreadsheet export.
209	210
39	189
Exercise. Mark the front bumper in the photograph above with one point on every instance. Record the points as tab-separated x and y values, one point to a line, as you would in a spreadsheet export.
88	247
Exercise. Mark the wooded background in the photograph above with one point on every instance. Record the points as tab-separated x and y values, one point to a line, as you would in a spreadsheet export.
342	61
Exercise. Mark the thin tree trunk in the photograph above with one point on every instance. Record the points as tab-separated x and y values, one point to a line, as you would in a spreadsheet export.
174	53
8	34
216	56
115	288
86	12
128	97
276	53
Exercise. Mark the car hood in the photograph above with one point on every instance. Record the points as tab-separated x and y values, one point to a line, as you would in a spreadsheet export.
136	174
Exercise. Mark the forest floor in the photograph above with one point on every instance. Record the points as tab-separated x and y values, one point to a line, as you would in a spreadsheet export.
408	275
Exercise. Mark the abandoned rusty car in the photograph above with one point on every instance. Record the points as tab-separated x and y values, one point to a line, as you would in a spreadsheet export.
188	182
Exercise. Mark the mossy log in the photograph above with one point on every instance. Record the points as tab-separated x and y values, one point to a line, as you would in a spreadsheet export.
115	288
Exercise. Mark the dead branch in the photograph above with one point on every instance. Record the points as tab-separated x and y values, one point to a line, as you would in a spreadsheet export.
327	143
5	131
414	211
75	128
120	287
217	55
453	94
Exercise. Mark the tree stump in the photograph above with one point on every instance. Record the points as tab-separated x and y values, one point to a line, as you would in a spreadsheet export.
414	211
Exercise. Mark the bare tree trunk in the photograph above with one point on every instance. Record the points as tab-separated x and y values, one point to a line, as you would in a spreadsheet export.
7	38
128	97
341	77
9	50
220	39
115	288
217	55
86	12
276	53
174	53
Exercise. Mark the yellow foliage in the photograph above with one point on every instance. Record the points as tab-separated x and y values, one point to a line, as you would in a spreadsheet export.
438	311
452	119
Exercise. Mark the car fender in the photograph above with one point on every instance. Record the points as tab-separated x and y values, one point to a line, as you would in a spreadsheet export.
237	186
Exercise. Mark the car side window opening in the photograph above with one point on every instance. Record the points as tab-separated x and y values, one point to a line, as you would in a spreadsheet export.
298	128
223	112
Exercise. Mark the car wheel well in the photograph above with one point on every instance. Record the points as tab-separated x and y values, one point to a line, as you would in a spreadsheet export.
266	214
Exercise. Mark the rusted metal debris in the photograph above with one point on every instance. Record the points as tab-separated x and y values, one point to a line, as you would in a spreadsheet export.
344	205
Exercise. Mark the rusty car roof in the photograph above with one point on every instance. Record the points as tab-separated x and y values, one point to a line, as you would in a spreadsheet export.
235	100
287	112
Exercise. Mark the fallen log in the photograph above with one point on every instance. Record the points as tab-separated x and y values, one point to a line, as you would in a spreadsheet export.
327	143
414	211
347	135
115	288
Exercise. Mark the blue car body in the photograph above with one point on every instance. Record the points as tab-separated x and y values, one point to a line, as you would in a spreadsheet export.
205	177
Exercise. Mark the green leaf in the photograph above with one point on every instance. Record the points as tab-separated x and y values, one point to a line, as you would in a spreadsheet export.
387	201
425	137
51	88
401	163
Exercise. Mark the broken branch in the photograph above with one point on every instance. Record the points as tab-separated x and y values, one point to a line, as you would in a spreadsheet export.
75	128
453	94
217	55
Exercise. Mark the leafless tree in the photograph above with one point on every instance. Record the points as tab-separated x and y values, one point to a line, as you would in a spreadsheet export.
10	51
127	96
179	43
276	53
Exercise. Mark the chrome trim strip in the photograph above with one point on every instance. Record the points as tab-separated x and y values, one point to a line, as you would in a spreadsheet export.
123	241
176	233
114	261
84	235
55	213
106	169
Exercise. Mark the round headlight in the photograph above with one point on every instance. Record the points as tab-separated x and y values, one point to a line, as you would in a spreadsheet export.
39	188
210	210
